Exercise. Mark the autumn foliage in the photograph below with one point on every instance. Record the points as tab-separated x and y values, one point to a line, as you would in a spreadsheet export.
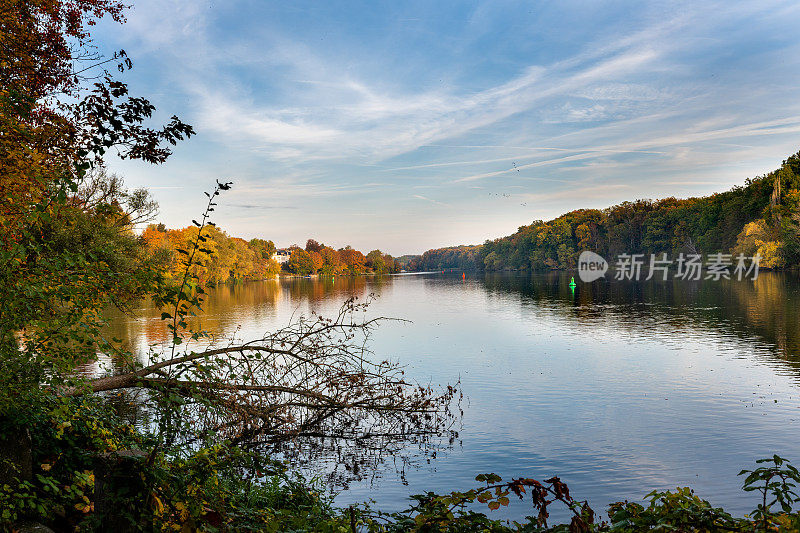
762	217
320	259
225	259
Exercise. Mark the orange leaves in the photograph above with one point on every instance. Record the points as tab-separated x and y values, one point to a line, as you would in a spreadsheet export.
225	259
496	494
85	505
153	237
41	35
316	260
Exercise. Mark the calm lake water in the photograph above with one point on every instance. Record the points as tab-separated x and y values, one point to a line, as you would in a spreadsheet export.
618	387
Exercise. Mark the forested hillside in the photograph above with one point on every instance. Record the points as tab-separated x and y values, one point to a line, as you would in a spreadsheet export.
456	257
763	217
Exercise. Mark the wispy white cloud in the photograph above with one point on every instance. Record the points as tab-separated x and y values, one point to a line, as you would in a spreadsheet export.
431	200
781	126
242	120
307	109
358	120
157	25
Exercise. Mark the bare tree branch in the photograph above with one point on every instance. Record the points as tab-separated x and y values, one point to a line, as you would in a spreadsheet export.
313	379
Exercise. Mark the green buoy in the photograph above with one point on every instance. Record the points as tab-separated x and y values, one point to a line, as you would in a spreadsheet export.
572	283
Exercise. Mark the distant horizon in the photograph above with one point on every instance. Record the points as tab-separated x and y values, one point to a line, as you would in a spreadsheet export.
363	249
416	126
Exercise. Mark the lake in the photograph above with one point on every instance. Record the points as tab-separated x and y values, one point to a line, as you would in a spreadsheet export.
617	387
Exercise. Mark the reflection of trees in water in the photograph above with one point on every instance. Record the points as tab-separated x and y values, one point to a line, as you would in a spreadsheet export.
342	462
773	309
319	289
345	445
143	326
338	288
226	306
768	307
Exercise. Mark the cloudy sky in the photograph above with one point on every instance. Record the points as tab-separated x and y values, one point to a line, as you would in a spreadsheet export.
406	126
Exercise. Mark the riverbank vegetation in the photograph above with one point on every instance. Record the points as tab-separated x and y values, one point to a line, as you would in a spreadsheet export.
77	441
68	456
225	259
203	434
317	258
761	217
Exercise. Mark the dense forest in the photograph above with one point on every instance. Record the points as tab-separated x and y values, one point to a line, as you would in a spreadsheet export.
317	258
224	259
761	217
456	257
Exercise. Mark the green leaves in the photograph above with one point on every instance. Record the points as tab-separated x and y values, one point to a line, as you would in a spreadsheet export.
776	481
679	510
488	478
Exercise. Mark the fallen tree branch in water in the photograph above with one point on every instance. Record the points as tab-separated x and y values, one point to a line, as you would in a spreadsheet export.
314	378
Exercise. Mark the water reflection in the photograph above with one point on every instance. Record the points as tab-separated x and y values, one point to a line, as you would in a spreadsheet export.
618	387
227	307
768	307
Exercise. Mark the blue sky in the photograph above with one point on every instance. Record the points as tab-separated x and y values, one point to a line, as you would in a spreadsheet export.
406	126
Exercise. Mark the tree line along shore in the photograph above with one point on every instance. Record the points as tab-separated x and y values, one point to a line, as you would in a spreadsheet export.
760	217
